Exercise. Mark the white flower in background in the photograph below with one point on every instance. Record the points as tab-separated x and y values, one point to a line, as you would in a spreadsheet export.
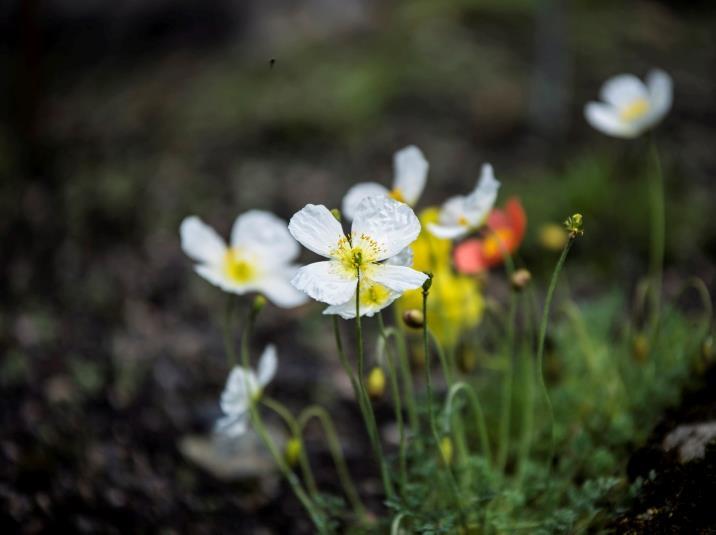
630	106
462	214
259	258
382	229
411	172
244	387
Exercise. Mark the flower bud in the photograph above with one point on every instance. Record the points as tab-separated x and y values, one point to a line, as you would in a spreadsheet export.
640	348
707	349
292	451
446	450
376	382
258	304
428	282
337	214
520	279
574	225
413	318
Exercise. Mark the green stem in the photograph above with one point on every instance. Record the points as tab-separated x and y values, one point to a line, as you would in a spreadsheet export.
370	415
444	364
397	404
295	431
258	424
478	413
528	377
407	376
228	331
540	343
314	411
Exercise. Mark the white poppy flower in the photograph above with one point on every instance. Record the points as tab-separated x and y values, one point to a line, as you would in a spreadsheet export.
382	228
630	107
411	172
464	213
244	387
259	258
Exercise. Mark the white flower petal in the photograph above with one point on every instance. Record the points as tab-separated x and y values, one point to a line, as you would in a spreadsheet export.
326	281
411	173
265	234
268	363
605	118
392	224
356	194
479	203
232	426
622	90
660	88
403	258
348	310
240	386
278	289
397	278
201	242
216	276
447	232
315	227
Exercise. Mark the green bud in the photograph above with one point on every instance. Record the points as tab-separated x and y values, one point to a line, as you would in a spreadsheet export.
428	282
292	451
337	214
574	225
258	304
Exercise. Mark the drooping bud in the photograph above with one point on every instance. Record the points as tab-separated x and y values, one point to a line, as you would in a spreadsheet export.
376	382
413	318
292	451
337	214
574	225
520	279
446	450
428	282
640	348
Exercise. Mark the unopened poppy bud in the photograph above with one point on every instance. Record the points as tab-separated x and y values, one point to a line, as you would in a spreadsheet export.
428	282
337	214
574	225
376	382
640	348
520	279
413	318
292	451
552	236
258	304
446	450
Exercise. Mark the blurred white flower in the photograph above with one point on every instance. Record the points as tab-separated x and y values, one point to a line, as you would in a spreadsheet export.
259	258
411	172
630	106
382	229
464	213
244	387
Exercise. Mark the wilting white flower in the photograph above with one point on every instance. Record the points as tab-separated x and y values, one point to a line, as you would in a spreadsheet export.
259	258
630	107
382	228
463	213
244	387
411	172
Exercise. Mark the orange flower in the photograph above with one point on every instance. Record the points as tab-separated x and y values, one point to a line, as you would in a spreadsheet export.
504	232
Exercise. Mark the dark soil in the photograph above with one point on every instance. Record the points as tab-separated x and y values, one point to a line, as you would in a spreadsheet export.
675	497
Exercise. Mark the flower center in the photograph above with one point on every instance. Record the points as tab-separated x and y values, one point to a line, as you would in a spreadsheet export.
238	268
396	194
463	222
373	295
634	110
358	253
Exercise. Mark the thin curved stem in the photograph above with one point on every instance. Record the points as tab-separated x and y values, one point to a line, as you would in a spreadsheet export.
658	234
408	388
295	431
329	430
228	331
478	413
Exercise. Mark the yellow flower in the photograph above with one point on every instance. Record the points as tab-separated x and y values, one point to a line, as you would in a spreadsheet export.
455	303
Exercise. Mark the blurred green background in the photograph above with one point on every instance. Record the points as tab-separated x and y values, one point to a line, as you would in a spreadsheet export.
121	119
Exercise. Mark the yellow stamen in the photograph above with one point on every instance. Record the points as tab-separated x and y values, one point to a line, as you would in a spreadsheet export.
238	268
463	222
358	253
373	295
396	194
634	110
